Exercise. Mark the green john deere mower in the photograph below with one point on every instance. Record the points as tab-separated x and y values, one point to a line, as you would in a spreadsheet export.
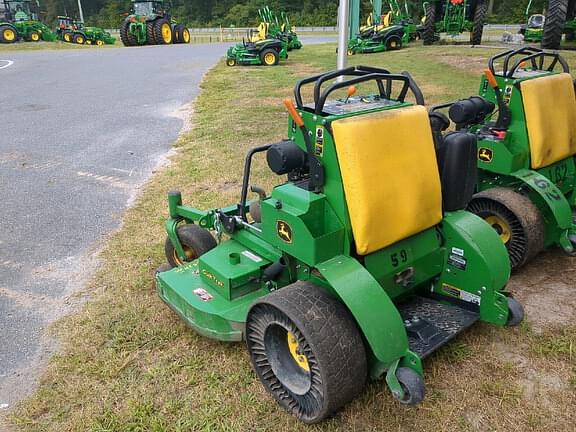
378	37
151	23
360	264
526	151
257	49
19	19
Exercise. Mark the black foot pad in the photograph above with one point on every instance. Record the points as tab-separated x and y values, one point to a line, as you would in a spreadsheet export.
430	324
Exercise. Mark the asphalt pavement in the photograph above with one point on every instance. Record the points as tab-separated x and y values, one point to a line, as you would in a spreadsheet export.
81	130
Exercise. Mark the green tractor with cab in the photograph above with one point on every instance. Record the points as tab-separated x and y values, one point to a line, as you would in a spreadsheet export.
453	17
361	263
19	19
525	124
257	49
151	23
65	29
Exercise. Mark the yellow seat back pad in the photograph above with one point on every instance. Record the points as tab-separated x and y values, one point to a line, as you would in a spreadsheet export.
550	110
390	175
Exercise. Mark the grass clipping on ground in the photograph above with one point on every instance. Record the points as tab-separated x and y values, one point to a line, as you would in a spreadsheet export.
128	363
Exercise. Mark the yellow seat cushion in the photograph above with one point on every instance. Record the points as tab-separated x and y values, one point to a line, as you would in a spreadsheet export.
550	110
390	175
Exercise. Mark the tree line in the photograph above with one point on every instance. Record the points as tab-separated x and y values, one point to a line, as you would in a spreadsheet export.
242	13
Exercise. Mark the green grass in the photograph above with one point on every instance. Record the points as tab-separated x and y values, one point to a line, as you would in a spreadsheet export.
56	45
127	363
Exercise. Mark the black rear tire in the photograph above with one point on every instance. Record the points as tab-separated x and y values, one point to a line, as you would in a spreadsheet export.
178	34
196	242
393	43
159	26
125	36
478	25
554	23
515	218
8	34
79	39
428	33
269	57
150	33
307	350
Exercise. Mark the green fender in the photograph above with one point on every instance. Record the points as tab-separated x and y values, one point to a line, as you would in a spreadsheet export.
477	267
550	194
376	315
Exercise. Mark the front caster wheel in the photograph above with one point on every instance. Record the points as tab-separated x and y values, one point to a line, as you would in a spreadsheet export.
515	312
195	241
307	350
413	386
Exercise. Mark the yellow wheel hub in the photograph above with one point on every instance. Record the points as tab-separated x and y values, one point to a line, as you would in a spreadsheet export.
186	36
297	355
501	227
269	59
9	34
67	37
35	37
99	43
166	33
190	256
393	44
80	40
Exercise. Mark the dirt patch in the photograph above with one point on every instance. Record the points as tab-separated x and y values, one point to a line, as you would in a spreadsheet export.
465	63
547	296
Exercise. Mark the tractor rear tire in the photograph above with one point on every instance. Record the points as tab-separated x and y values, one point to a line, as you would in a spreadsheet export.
269	57
306	350
125	36
150	33
554	23
8	34
79	39
196	242
515	218
163	32
478	25
67	37
429	31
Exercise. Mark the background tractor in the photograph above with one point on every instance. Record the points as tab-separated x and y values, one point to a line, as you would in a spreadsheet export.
534	27
21	21
151	23
560	19
359	264
257	49
70	30
65	28
526	156
453	17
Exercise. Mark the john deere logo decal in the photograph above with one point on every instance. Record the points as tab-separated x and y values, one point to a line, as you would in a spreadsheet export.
284	231
485	154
